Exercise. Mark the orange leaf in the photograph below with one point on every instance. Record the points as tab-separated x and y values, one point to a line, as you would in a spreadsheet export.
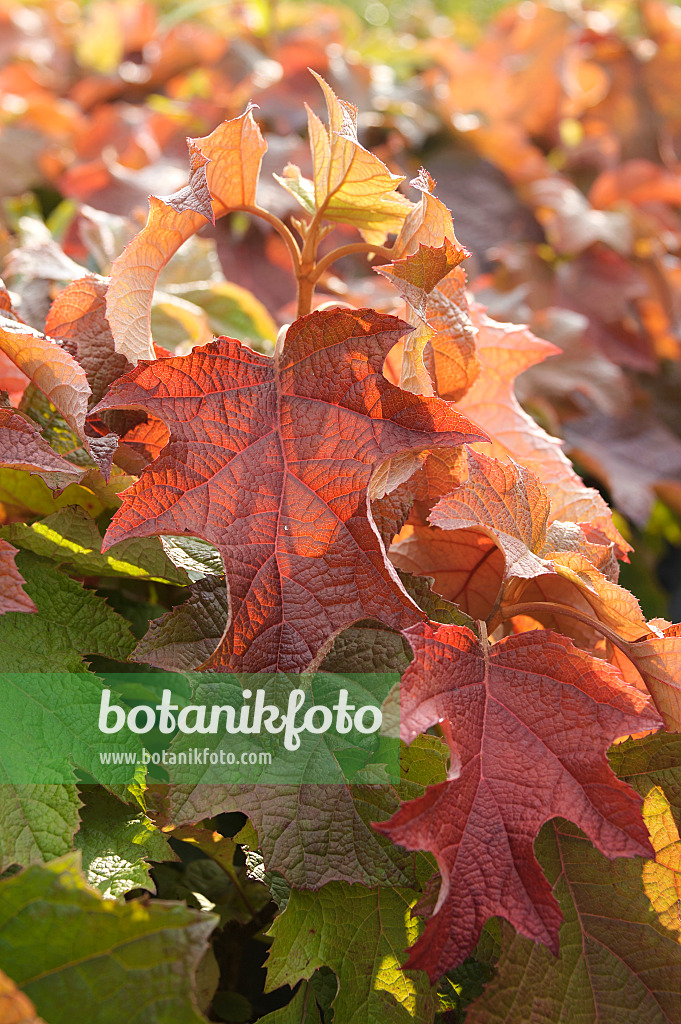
235	152
505	350
50	368
658	659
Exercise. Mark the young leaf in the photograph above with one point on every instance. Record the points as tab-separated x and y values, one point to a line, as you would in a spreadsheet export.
573	581
429	222
61	380
78	957
350	185
273	458
415	277
234	152
444	349
361	935
530	716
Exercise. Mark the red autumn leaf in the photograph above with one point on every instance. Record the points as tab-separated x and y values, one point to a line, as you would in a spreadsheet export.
529	721
466	567
428	223
12	596
416	276
506	502
270	461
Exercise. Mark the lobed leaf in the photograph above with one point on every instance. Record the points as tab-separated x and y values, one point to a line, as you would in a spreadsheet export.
361	935
22	447
505	350
70	538
50	367
270	461
620	948
116	843
12	596
528	722
350	185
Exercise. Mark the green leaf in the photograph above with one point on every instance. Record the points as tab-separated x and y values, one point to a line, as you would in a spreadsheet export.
302	1009
285	816
362	936
37	822
49	707
116	843
620	943
232	312
194	556
437	608
80	958
70	623
54	428
71	538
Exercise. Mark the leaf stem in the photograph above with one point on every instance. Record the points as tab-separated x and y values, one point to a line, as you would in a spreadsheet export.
349	250
279	227
529	607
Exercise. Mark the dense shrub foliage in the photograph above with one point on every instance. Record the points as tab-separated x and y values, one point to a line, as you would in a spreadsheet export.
273	430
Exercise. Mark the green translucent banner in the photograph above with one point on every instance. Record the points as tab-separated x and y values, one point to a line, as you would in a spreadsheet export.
197	728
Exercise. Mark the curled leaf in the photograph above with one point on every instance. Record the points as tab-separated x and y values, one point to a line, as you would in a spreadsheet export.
233	153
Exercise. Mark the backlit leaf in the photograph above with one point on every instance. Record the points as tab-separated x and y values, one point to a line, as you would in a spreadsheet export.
234	151
518	715
361	935
300	435
619	943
